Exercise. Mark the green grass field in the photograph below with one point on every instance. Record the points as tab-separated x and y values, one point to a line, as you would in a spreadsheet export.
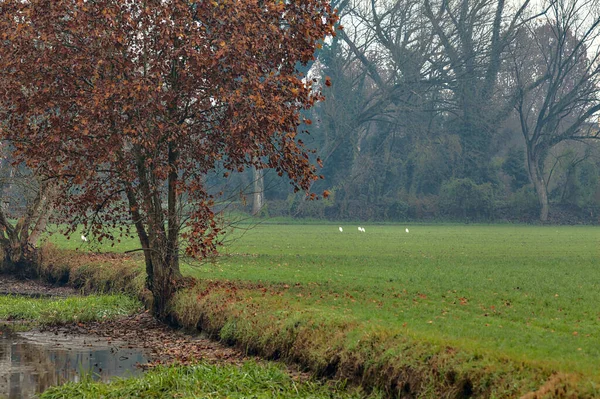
529	292
524	293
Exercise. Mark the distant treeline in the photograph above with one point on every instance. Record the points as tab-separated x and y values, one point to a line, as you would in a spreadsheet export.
454	110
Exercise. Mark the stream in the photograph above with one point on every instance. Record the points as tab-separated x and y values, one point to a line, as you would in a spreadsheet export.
30	362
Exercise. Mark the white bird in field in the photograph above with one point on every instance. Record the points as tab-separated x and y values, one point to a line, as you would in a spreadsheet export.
363	230
359	228
407	230
83	238
341	230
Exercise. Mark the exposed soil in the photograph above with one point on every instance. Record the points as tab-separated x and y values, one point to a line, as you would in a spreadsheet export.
161	343
10	285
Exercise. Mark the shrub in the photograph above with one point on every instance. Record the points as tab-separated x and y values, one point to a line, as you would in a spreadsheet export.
278	208
464	199
524	204
514	167
396	210
588	186
300	206
423	207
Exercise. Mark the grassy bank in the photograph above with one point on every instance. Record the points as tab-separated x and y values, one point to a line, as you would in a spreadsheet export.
66	310
520	291
264	380
204	380
496	311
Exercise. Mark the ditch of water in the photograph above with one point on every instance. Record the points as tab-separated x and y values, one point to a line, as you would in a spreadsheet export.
30	362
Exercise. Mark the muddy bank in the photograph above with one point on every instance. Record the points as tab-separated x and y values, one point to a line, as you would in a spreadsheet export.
163	344
117	347
10	285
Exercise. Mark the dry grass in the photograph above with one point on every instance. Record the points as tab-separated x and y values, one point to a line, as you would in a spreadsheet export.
94	272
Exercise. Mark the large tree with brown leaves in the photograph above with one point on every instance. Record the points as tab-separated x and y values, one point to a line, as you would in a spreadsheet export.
132	103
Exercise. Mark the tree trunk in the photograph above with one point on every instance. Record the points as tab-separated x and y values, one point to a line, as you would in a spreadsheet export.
43	208
166	273
163	274
140	228
19	242
258	192
163	283
159	236
537	178
19	259
162	266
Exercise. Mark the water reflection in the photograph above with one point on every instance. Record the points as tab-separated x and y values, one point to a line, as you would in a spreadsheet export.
30	362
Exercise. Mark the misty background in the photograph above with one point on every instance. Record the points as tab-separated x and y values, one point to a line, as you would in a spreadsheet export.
453	110
467	110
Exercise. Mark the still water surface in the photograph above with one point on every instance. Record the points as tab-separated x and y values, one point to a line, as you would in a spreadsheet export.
30	362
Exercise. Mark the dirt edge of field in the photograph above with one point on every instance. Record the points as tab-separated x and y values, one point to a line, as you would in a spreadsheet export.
325	348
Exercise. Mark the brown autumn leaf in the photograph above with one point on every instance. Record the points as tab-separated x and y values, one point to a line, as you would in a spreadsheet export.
132	107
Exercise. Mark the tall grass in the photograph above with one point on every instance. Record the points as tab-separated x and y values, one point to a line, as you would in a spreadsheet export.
66	310
204	380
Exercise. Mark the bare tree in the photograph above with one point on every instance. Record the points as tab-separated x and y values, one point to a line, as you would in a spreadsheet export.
556	67
258	192
436	71
474	35
397	49
28	200
395	59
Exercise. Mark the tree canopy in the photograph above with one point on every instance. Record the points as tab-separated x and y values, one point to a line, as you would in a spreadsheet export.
131	103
